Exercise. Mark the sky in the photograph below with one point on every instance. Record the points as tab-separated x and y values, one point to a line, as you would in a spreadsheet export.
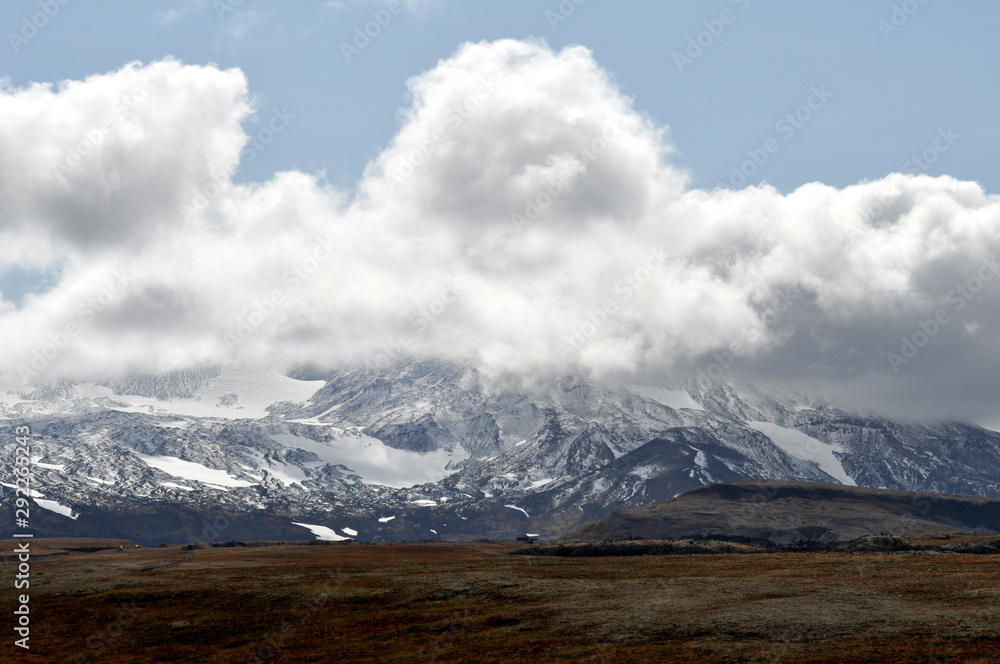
802	192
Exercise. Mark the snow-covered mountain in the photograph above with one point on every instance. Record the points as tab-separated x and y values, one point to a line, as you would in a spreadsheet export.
423	450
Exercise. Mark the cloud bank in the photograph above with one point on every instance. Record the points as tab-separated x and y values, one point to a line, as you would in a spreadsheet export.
526	213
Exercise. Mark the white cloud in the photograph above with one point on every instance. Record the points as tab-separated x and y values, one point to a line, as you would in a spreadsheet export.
973	328
434	255
102	164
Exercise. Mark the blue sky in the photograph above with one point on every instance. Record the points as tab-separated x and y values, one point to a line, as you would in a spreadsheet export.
891	94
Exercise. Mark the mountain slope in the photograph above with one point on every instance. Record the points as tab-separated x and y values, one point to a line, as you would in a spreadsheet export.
440	450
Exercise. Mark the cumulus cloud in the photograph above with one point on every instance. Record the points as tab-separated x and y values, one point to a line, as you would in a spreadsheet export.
103	164
526	214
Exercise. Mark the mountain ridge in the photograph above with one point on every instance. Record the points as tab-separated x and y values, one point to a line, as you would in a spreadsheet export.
433	449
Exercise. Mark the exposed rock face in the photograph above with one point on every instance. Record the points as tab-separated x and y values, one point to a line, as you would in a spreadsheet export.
183	384
439	450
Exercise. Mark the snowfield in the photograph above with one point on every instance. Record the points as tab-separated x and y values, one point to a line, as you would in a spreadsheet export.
174	485
374	461
53	506
192	471
675	399
804	447
238	392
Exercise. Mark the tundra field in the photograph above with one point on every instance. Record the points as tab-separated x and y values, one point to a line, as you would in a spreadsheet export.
474	602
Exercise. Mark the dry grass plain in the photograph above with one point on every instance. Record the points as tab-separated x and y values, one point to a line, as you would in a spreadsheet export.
437	602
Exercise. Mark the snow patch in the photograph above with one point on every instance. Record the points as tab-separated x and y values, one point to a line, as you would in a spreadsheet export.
98	480
49	466
374	461
644	472
350	531
386	519
287	474
32	493
675	399
192	471
317	421
519	509
53	506
807	448
173	485
322	532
